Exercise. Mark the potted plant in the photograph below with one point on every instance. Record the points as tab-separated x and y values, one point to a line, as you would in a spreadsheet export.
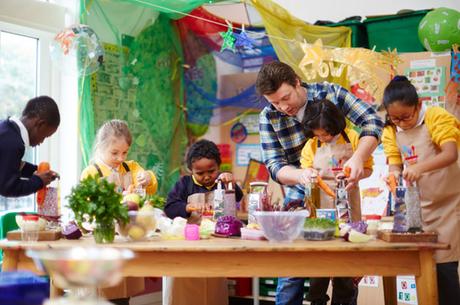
95	200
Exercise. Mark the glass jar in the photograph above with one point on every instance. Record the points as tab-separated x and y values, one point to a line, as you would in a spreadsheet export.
258	199
30	228
373	222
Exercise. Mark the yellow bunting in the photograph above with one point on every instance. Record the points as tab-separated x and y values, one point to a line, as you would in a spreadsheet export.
370	69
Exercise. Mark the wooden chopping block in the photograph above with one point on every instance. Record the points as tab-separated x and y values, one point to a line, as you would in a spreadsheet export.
389	236
42	235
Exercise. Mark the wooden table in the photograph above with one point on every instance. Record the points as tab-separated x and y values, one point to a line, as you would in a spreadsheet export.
244	258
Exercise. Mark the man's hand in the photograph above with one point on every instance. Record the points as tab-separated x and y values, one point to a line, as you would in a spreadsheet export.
304	177
47	177
355	163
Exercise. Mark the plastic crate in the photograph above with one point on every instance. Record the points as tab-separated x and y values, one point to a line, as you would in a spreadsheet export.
395	31
23	288
358	33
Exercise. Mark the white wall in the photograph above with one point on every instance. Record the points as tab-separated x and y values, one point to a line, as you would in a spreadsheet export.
336	10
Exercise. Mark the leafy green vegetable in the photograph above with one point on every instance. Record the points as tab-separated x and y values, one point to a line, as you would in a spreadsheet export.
95	200
319	223
156	201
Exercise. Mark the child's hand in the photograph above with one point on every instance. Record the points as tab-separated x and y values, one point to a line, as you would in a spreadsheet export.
143	178
412	173
225	177
304	178
386	178
194	207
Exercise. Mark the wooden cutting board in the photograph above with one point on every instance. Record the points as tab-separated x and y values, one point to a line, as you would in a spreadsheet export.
42	235
389	236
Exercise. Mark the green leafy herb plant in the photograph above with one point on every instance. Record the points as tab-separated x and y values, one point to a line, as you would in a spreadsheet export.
95	200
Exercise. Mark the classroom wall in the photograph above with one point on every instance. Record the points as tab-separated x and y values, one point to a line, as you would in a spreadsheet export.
336	10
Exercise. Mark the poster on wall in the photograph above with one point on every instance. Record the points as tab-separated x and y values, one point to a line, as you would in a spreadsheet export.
369	281
245	152
251	122
429	72
429	83
406	290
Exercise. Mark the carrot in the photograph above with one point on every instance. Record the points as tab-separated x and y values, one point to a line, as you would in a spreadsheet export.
325	187
41	193
392	184
347	171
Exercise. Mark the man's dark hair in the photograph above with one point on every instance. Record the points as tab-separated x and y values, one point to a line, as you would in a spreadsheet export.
43	107
325	115
203	149
271	76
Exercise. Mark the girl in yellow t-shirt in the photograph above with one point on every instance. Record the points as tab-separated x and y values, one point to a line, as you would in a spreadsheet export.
111	147
330	146
432	135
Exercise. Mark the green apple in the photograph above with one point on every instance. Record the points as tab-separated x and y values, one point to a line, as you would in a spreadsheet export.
132	197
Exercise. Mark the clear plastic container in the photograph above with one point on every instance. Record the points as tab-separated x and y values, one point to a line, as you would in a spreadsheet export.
30	228
373	223
281	226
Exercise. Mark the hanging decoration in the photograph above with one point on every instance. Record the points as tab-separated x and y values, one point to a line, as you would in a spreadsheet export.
228	40
78	42
243	40
369	69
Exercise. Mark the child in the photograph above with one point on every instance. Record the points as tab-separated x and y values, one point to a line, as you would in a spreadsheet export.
40	119
111	147
203	160
330	145
433	135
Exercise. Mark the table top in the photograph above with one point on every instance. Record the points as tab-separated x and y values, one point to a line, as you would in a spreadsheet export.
226	245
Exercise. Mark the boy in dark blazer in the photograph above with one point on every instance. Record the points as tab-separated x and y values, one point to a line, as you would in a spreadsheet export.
40	119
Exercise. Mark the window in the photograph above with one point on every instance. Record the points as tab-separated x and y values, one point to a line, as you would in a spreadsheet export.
18	83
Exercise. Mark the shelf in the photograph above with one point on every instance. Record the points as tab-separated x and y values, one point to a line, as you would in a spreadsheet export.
262	298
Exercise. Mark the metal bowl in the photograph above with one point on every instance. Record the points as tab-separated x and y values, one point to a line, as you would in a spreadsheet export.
82	267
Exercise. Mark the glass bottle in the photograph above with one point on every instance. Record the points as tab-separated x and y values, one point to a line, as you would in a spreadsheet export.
314	200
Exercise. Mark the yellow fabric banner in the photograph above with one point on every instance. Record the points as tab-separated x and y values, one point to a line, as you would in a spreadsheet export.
287	32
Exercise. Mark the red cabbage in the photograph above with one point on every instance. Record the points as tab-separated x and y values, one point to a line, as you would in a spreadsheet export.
229	226
71	231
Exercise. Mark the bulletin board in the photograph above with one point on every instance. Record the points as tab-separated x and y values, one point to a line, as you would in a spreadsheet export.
429	73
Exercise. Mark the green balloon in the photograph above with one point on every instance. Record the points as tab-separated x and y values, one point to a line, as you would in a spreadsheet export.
440	29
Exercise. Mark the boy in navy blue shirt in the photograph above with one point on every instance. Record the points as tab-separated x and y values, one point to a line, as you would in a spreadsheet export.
203	160
40	119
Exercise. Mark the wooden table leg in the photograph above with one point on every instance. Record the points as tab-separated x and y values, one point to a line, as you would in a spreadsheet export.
55	291
389	290
427	286
10	260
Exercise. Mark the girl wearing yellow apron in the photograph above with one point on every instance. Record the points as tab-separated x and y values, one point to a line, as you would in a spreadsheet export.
331	144
433	136
110	151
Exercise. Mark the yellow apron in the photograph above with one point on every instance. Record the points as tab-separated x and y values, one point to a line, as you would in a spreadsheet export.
439	193
322	162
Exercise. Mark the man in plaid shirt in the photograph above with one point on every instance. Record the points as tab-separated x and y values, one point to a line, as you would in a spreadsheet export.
282	137
281	131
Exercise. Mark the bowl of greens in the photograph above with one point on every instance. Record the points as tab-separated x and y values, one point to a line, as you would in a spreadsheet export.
319	229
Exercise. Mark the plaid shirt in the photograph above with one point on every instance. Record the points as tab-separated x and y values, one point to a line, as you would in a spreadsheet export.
283	137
